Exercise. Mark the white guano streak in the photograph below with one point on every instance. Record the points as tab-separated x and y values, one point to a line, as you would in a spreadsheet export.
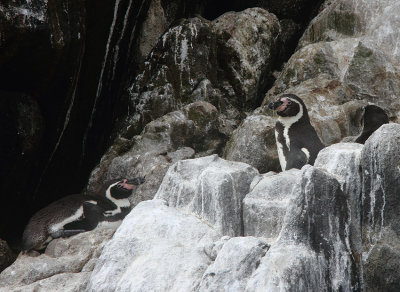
100	83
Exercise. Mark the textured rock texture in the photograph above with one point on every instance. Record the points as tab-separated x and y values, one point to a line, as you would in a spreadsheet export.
66	264
380	208
264	208
210	187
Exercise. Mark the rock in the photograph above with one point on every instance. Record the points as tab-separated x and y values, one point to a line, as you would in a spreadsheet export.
67	262
265	206
253	142
175	136
315	234
251	43
380	207
156	248
236	261
343	160
215	53
210	187
6	255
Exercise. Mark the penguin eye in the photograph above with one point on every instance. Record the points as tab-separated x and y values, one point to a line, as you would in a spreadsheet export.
289	102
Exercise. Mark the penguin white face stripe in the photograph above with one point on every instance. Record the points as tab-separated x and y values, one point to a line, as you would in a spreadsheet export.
58	226
121	203
287	122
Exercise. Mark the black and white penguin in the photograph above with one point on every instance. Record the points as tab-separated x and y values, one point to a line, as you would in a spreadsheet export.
373	118
296	139
79	213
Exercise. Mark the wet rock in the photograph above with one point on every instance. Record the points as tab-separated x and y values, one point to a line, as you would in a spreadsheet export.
66	262
253	142
210	187
315	234
236	261
380	208
265	206
156	248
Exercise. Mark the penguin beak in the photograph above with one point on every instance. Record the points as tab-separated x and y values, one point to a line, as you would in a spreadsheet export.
275	105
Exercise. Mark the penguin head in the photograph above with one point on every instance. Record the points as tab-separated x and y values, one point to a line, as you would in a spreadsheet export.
122	189
289	105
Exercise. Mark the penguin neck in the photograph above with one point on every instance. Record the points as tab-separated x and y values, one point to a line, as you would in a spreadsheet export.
119	203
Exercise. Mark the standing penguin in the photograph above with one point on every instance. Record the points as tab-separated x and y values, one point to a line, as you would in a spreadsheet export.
296	139
78	213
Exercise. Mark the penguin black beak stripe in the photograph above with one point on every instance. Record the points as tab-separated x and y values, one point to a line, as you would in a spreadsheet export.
275	105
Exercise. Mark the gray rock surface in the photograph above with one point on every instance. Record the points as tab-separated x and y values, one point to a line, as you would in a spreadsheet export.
211	188
343	160
65	265
314	235
381	208
157	248
253	142
236	261
265	206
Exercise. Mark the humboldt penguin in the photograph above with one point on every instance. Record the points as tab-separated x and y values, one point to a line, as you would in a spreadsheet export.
79	213
296	139
373	118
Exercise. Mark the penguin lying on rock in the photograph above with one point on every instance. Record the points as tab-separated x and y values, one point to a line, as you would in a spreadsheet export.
296	139
79	213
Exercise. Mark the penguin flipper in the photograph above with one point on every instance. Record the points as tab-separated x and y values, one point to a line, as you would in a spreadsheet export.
92	215
296	159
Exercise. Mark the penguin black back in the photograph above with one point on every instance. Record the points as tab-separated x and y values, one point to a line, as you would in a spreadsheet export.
78	213
297	141
373	118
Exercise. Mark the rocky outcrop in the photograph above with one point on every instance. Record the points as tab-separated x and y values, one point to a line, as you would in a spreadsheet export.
380	209
211	61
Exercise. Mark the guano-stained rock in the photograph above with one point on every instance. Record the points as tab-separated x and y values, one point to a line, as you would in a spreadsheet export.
211	188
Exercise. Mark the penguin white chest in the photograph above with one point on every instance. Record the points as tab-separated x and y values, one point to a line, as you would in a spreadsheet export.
281	156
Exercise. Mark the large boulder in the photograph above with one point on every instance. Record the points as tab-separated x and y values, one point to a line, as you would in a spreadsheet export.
210	187
226	66
265	206
253	142
381	209
157	248
315	234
